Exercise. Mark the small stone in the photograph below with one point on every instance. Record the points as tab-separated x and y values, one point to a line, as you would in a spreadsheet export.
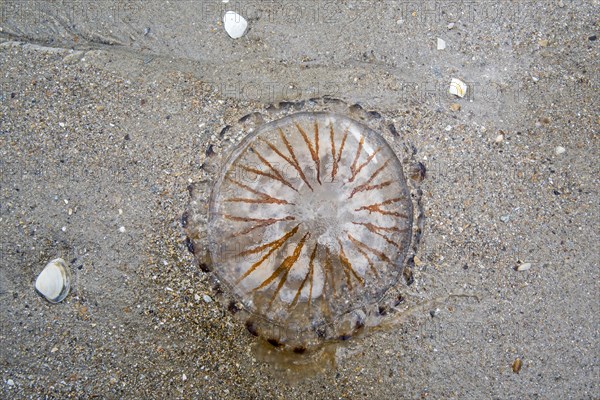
448	128
543	42
561	3
54	349
207	298
235	25
10	382
559	150
458	87
592	38
196	297
99	108
450	25
499	138
54	282
122	229
441	44
505	218
455	107
523	267
183	377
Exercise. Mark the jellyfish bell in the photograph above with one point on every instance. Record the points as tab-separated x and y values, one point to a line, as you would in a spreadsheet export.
311	222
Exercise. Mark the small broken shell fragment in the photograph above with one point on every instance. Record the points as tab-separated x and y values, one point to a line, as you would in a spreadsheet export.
523	267
458	87
517	365
54	282
441	44
235	25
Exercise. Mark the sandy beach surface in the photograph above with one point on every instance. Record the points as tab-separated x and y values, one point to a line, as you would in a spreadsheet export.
108	110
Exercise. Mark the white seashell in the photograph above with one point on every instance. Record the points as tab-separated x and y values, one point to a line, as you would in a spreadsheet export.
441	44
559	150
458	87
524	267
235	25
54	282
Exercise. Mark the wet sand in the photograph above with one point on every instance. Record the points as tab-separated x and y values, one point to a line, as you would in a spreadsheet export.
107	111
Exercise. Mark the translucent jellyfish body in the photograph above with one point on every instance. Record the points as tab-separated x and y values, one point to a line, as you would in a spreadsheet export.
310	223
